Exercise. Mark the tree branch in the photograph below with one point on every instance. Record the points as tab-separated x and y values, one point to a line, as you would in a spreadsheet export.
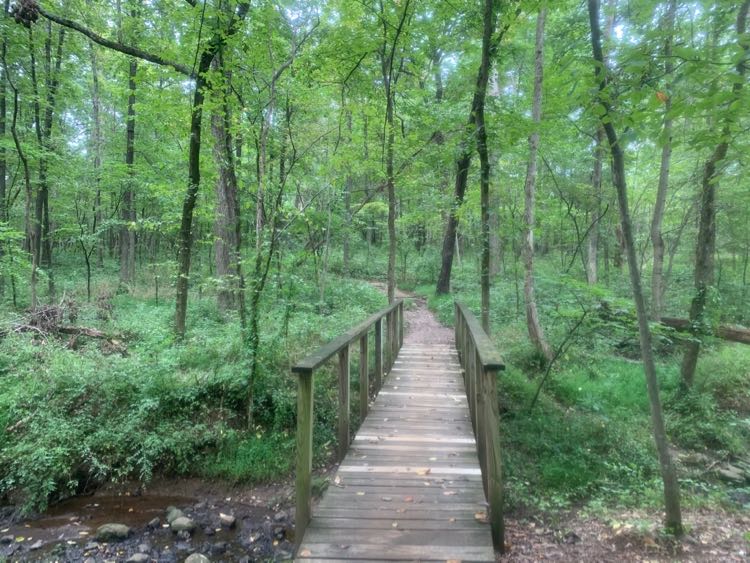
115	45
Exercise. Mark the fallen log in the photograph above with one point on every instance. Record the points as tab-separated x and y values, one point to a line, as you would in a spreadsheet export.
725	332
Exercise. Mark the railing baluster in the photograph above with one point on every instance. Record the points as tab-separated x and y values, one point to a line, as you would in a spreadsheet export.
493	459
378	355
343	432
364	383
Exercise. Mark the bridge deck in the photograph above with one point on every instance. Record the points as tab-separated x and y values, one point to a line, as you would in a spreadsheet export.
410	487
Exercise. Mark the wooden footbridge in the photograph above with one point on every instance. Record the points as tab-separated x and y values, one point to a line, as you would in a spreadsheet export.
421	480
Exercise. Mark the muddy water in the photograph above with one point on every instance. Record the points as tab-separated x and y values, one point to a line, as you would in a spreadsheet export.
66	531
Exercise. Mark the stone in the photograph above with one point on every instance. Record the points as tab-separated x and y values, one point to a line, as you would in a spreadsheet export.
209	531
110	532
218	548
6	539
197	558
89	560
173	514
227	520
144	548
732	474
182	523
183	535
281	516
139	558
92	545
36	545
155	523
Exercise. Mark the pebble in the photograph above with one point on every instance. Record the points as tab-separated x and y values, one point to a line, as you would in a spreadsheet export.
36	545
144	548
174	514
280	516
227	520
139	558
109	532
182	523
6	539
197	558
155	523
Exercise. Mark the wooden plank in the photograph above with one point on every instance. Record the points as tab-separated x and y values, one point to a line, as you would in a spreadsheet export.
412	552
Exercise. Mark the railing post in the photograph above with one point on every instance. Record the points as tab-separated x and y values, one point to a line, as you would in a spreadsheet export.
343	430
304	452
481	420
494	460
400	325
364	380
378	355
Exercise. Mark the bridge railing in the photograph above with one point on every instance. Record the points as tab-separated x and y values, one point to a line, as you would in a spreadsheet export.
384	355
481	362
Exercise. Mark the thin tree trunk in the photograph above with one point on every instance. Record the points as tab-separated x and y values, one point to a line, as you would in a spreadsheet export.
226	216
536	333
97	150
668	472
185	236
657	240
484	161
592	247
706	242
3	152
463	162
128	217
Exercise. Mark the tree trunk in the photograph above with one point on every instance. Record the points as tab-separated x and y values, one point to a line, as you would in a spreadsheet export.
128	217
185	236
657	240
226	215
706	242
3	152
592	244
536	333
668	472
484	161
96	150
463	161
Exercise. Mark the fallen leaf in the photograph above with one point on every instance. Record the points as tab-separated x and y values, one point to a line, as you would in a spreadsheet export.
337	480
480	516
451	520
394	525
386	499
423	472
305	553
449	493
360	493
433	459
409	499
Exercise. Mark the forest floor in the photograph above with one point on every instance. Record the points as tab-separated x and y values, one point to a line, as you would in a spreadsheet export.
263	517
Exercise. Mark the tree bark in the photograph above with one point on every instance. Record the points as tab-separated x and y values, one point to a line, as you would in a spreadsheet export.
3	152
657	239
128	217
536	333
705	245
668	472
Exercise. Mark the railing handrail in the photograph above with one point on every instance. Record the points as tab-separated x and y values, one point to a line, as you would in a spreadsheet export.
385	355
325	352
488	354
481	362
